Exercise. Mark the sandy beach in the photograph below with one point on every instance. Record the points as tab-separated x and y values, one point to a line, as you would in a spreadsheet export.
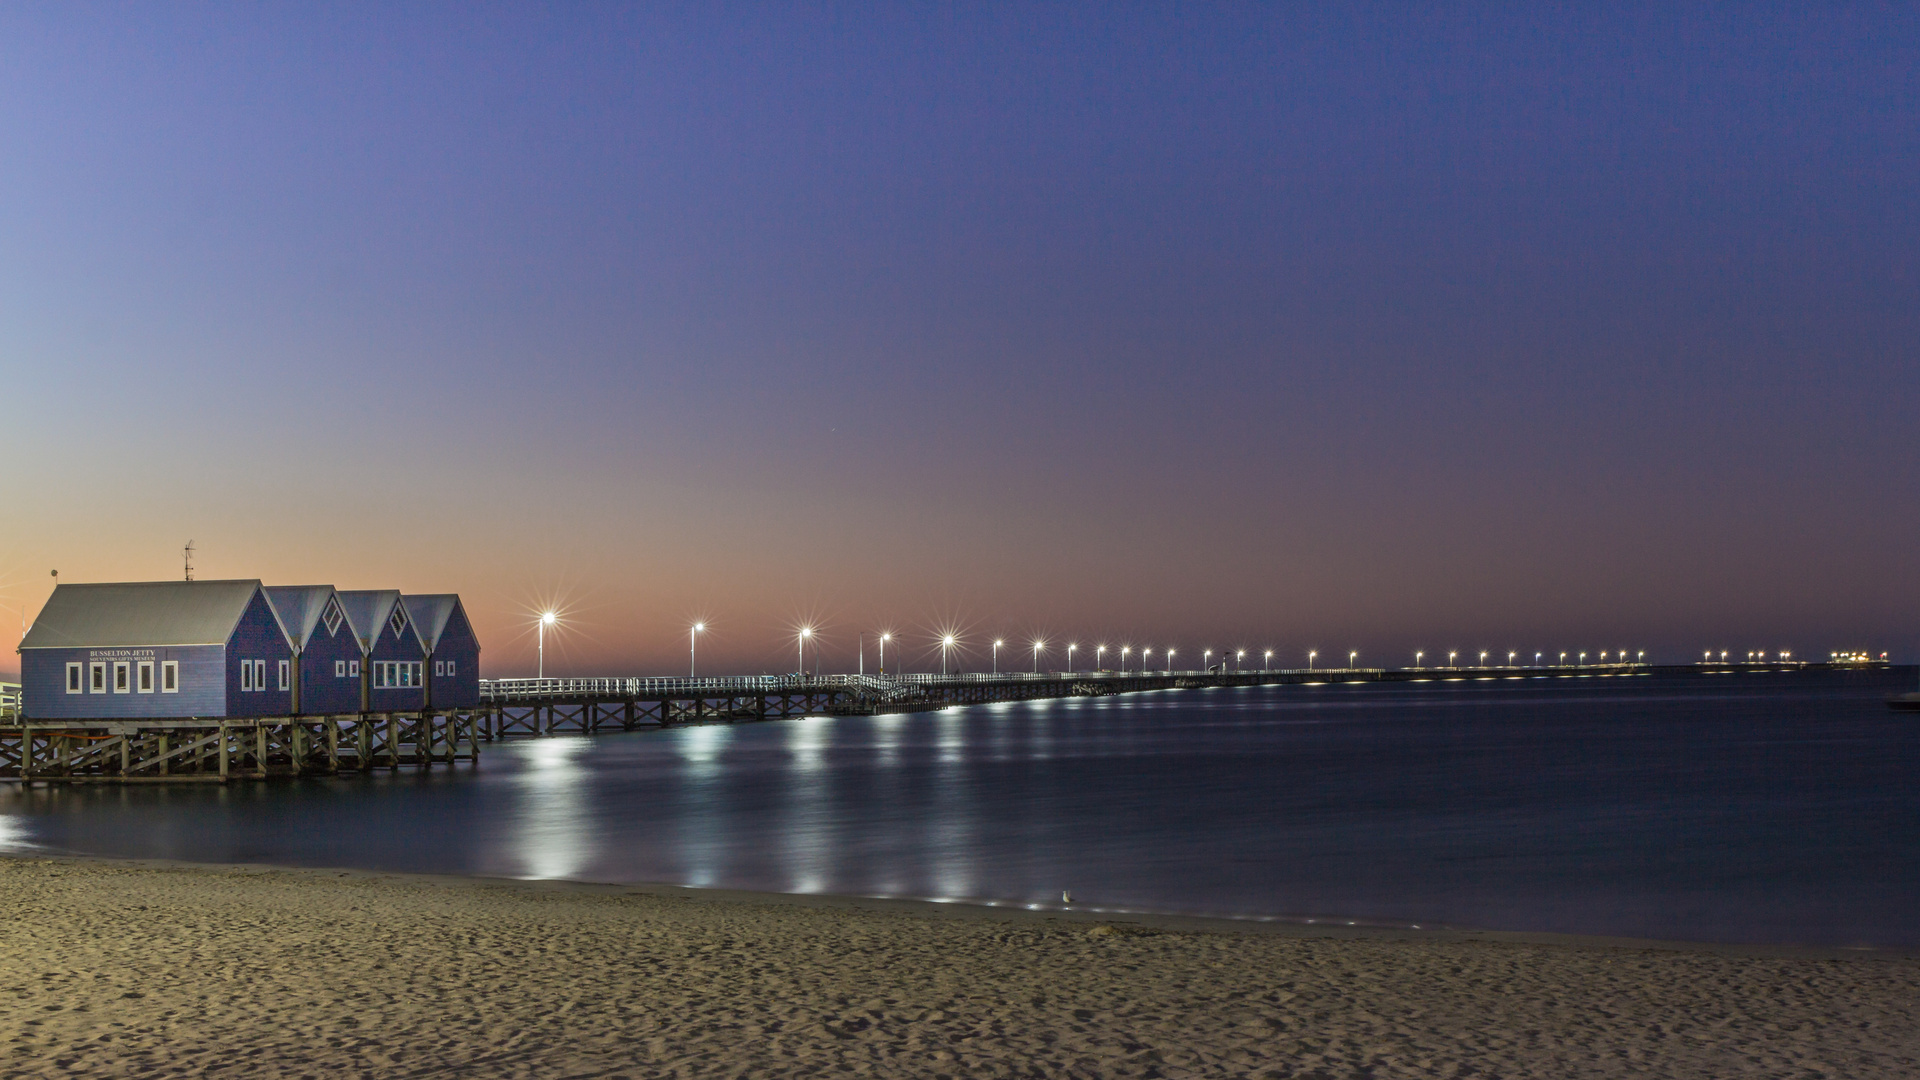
116	969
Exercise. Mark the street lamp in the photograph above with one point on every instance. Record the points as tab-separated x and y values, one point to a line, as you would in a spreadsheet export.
692	636
1145	655
1352	658
805	633
1583	658
1451	653
1206	659
1511	654
1124	650
946	646
1267	661
1310	655
1483	658
1237	657
547	619
884	638
1170	653
1071	645
996	655
1098	649
1036	655
1563	659
1536	659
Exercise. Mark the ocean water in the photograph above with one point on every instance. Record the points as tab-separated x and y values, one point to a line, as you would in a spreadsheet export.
1742	808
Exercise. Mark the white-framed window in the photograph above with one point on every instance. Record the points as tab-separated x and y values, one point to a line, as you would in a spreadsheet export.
170	676
339	669
353	669
97	677
74	678
439	668
259	674
144	680
286	674
449	667
246	675
122	676
333	616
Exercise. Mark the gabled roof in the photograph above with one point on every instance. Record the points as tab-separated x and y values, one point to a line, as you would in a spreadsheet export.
370	610
140	614
298	607
431	612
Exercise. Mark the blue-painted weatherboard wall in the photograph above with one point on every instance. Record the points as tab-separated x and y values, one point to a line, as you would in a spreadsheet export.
321	691
258	637
43	679
405	647
461	690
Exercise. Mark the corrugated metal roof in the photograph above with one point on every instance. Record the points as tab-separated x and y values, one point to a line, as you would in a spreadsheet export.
140	613
367	611
431	612
298	607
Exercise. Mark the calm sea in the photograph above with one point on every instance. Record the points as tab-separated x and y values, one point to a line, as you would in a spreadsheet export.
1752	808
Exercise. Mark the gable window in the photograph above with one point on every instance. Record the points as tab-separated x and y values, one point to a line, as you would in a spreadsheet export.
246	675
170	676
121	682
97	678
398	620
332	617
145	682
73	679
285	673
259	674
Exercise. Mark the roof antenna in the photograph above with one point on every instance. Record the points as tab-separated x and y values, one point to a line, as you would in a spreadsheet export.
188	551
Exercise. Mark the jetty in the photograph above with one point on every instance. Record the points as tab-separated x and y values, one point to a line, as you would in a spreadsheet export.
226	749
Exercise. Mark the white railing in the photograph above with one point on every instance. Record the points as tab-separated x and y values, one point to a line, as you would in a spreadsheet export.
9	700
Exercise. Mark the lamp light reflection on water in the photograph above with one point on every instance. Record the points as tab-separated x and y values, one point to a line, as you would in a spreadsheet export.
554	837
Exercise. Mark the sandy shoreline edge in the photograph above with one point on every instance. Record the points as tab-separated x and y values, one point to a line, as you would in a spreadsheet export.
1087	915
115	967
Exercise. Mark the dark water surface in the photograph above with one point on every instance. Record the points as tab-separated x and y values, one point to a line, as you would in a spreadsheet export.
1759	808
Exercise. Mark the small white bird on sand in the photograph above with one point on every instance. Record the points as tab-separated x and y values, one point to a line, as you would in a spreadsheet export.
1066	896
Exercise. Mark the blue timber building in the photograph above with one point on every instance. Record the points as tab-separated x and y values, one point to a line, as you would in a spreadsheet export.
157	649
326	655
392	656
453	652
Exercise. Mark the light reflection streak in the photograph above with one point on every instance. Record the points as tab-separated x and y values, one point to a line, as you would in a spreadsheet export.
13	834
809	832
553	834
953	824
702	817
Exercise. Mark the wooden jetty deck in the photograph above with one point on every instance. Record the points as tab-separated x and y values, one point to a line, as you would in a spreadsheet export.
199	750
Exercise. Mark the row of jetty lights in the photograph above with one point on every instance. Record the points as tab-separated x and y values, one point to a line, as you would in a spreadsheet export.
951	642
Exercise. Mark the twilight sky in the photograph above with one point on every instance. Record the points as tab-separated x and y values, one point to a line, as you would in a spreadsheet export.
1382	329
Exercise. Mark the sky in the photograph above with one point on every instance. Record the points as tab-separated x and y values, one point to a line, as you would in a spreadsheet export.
1385	328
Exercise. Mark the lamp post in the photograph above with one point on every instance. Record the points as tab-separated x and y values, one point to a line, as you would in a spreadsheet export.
1036	656
1206	659
1124	650
1417	654
1170	653
546	619
1071	645
1266	662
1237	657
805	633
946	646
1563	659
1483	658
996	655
1353	659
1098	649
1451	654
1146	657
1310	655
693	635
884	638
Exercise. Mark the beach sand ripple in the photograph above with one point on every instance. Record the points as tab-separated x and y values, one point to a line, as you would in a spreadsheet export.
117	970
